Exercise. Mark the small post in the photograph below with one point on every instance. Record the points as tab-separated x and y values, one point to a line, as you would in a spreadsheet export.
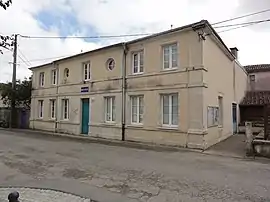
13	196
249	139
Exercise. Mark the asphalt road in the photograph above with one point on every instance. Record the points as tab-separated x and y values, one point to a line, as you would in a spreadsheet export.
115	174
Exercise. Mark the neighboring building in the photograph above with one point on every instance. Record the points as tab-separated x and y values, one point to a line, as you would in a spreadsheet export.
259	77
179	87
258	94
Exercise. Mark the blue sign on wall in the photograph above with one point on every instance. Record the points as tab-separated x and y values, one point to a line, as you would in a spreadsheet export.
85	89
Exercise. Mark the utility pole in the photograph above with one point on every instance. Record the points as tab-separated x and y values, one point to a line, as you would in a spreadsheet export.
13	101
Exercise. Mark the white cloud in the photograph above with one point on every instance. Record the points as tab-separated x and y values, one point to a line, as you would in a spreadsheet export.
120	17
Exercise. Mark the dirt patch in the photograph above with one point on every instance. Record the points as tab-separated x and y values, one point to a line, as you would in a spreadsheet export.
76	173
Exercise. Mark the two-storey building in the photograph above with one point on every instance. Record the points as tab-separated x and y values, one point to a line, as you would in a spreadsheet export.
178	87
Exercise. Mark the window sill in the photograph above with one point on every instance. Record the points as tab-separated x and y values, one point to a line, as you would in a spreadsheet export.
220	126
170	69
109	123
213	126
135	125
166	127
134	74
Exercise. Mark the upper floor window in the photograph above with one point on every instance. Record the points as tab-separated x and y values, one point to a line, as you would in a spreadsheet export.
87	71
66	73
110	64
137	66
40	109
170	56
251	78
54	76
41	79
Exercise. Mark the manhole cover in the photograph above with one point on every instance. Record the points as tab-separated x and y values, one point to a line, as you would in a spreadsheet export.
40	195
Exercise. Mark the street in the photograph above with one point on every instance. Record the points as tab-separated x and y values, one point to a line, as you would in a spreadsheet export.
110	173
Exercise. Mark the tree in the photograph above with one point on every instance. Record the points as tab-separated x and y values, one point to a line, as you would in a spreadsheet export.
5	4
22	94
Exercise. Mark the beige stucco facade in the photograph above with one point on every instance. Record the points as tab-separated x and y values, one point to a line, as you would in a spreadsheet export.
205	70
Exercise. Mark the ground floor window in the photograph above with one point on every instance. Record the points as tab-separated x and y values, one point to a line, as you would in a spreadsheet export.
40	108
65	109
52	104
169	109
110	109
137	106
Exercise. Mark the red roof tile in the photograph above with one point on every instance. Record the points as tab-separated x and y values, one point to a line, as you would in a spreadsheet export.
257	68
256	98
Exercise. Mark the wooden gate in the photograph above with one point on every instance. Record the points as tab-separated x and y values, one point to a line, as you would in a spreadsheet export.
266	121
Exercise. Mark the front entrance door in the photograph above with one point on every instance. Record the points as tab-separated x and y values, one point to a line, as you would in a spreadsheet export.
234	117
85	116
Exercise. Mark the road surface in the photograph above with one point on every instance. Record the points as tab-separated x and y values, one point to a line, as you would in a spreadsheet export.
115	174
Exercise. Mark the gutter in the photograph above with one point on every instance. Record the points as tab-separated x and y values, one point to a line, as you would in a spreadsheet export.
56	100
123	91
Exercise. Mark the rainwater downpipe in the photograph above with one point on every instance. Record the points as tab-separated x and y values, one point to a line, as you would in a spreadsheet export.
123	103
56	100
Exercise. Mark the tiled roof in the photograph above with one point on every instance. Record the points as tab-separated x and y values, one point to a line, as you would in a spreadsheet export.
256	98
257	68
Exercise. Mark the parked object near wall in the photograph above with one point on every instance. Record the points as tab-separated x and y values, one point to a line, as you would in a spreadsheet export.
21	118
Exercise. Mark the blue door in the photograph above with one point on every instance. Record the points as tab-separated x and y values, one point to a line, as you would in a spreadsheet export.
85	116
234	117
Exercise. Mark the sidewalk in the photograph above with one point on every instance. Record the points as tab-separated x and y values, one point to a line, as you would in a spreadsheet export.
89	139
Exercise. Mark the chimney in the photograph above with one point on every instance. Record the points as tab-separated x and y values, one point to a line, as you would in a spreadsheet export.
235	52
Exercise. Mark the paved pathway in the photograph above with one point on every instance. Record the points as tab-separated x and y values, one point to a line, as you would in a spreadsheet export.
117	174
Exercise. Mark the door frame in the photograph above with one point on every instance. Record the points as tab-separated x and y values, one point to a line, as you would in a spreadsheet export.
234	106
81	115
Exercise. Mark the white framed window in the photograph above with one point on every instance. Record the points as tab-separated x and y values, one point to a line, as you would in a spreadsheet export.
170	56
54	76
169	109
110	64
41	79
65	109
252	78
40	108
220	113
109	109
212	116
52	107
66	73
137	62
137	109
86	71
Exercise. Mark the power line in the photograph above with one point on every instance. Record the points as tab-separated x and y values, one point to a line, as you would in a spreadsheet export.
245	23
43	59
28	63
23	61
85	37
243	16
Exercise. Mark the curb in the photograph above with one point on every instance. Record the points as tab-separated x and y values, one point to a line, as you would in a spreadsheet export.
96	140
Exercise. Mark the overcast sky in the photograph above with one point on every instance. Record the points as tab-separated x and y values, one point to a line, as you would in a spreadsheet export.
111	17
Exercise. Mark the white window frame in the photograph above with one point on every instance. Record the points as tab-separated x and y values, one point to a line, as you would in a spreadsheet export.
137	98
54	77
170	125
87	73
111	110
221	111
53	108
41	79
170	46
40	109
140	58
65	109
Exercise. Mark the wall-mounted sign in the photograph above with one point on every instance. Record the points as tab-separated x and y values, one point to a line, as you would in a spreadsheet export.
85	89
